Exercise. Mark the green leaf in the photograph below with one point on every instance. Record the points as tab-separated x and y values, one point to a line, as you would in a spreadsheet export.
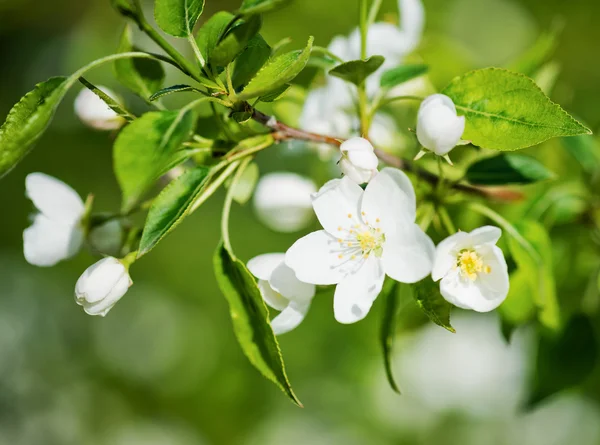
585	150
274	95
250	319
356	71
142	76
171	206
178	17
28	120
428	297
235	41
518	308
277	72
388	327
533	256
144	147
250	7
210	33
112	104
507	168
401	74
248	63
170	90
246	183
507	111
539	53
126	8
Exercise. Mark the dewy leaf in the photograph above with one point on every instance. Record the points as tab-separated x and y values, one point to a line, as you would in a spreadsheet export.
178	17
211	31
142	76
427	295
112	103
507	168
250	319
401	74
248	63
144	147
535	259
171	206
388	327
28	120
250	7
507	111
356	71
277	72
235	41
171	90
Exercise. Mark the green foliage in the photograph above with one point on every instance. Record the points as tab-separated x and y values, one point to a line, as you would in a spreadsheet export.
388	326
211	32
519	307
428	297
142	76
277	72
144	147
507	168
246	183
28	120
127	8
235	40
506	111
250	61
274	95
356	71
112	104
178	17
539	53
170	90
586	150
250	7
250	319
171	206
401	74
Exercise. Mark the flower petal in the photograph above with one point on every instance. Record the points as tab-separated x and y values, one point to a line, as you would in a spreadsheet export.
337	204
408	254
283	280
355	294
262	266
47	242
273	298
445	254
496	281
412	21
468	294
54	198
290	317
313	258
485	235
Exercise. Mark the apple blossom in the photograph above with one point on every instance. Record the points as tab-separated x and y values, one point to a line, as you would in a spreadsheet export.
56	233
367	235
439	129
282	201
95	113
472	269
101	285
281	290
359	161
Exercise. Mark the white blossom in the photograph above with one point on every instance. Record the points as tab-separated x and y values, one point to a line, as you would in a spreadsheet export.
439	129
101	285
359	161
95	113
472	269
282	201
281	290
367	235
56	233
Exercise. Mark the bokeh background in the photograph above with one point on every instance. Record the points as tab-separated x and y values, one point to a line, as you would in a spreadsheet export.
164	368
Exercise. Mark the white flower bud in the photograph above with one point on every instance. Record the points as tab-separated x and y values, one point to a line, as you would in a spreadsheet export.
359	161
94	112
101	285
282	201
439	129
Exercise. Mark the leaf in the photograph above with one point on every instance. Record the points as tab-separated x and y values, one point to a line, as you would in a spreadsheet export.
112	104
585	150
142	76
178	17
171	206
28	120
388	327
170	90
507	168
274	95
507	111
144	147
126	8
356	71
541	51
427	295
179	157
250	319
566	360
534	259
235	41
250	7
246	183
401	74
518	308
277	72
248	63
210	33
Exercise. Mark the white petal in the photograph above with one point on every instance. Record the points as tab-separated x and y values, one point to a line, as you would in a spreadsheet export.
468	294
313	259
408	254
337	204
102	307
290	317
47	242
389	197
363	159
496	281
485	235
262	266
356	293
450	136
95	113
358	175
446	254
412	21
437	100
99	279
54	198
273	298
284	281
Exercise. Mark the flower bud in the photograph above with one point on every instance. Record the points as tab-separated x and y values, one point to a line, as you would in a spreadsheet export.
439	129
359	161
94	112
101	285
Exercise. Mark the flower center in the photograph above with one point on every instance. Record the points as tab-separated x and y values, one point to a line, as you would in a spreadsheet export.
471	264
359	240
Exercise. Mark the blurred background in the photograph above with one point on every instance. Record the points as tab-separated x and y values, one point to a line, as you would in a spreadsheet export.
164	368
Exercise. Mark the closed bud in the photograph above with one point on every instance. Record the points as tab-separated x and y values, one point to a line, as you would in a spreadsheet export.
439	129
359	161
